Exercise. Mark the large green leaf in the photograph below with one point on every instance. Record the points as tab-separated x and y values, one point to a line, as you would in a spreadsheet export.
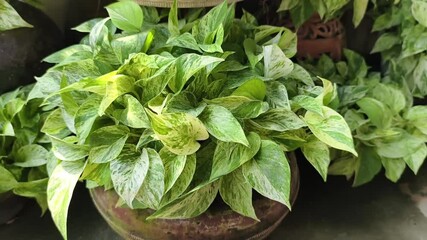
277	95
152	189
367	166
9	18
269	173
417	116
185	102
394	168
279	119
378	113
128	172
190	205
7	180
253	89
308	103
240	106
126	15
60	190
179	132
331	128
222	125
134	114
237	193
317	153
68	151
182	182
86	116
174	165
187	66
32	155
107	153
116	86
124	46
419	9
276	64
55	125
416	159
385	42
34	189
229	156
359	10
399	146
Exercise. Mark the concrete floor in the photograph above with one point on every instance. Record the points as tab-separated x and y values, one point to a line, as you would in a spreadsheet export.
323	211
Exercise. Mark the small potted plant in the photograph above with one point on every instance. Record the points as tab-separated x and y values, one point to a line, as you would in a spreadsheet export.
158	117
388	130
23	154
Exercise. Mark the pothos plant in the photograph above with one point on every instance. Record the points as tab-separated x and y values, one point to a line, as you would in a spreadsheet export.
302	10
388	130
402	43
169	113
10	18
24	152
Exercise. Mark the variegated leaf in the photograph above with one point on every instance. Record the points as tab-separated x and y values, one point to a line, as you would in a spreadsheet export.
60	190
174	165
116	86
128	172
269	173
86	116
223	125
237	193
9	18
276	64
317	153
66	151
179	132
106	153
152	189
229	156
134	115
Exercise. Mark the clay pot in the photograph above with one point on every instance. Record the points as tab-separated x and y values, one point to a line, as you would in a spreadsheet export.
182	3
10	206
22	49
316	37
219	222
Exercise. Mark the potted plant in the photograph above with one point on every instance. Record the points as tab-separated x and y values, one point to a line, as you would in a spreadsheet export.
24	153
389	131
164	115
23	43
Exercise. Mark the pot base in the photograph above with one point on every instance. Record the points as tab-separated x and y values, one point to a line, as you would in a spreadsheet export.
219	222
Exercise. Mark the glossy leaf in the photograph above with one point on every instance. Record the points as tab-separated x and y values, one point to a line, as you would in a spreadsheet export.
276	64
86	116
174	165
419	9
253	89
417	158
394	168
317	153
107	153
134	114
7	180
32	155
377	112
280	120
9	18
126	15
331	129
68	151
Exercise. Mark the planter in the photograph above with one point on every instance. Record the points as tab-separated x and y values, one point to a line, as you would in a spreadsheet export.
10	206
23	49
219	222
316	37
183	3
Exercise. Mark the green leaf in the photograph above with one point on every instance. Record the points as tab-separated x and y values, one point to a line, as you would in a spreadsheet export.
7	180
302	75
107	135
87	26
237	193
126	15
253	89
317	153
86	116
419	9
179	132
399	146
222	125
185	40
269	173
123	47
60	190
417	116
152	189
187	66
229	156
385	42
359	10
98	173
276	64
368	165
63	54
391	96
279	119
128	172
190	205
183	181
34	189
252	53
394	168
173	24
331	129
55	125
134	114
185	102
68	151
378	113
117	85
416	159
174	165
107	153
277	95
32	155
308	103
9	18
356	64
